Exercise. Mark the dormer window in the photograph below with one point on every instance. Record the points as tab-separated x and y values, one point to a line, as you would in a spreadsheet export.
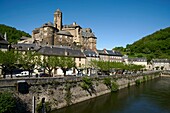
32	48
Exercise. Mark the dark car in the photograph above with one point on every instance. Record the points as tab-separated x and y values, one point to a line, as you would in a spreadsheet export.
44	75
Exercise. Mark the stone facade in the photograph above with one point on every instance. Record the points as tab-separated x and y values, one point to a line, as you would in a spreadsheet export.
160	64
64	35
110	55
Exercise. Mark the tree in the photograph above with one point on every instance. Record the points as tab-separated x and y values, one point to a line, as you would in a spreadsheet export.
155	45
106	66
8	61
52	62
47	62
27	60
66	63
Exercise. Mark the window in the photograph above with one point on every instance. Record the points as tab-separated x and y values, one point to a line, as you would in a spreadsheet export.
79	64
79	59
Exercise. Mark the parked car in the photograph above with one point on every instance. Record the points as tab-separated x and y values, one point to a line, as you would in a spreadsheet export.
44	75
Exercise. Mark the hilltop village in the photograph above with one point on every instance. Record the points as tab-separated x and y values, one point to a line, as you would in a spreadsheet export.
56	39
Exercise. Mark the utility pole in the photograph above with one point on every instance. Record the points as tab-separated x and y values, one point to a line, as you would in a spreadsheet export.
33	104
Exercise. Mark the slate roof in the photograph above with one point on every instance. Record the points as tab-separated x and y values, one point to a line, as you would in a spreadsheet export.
57	51
48	24
160	61
64	33
101	52
71	26
36	30
137	59
90	53
87	34
113	53
24	38
26	47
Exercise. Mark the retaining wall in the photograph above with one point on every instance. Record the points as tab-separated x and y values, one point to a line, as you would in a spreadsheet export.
61	92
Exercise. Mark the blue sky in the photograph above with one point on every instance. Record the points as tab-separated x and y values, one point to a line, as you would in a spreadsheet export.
114	22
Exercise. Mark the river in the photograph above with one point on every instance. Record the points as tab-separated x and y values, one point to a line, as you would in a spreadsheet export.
150	97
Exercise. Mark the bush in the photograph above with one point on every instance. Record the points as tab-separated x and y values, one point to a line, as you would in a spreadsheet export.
107	82
7	102
114	87
86	83
138	82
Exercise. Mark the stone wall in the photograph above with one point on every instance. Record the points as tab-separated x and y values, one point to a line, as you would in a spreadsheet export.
61	92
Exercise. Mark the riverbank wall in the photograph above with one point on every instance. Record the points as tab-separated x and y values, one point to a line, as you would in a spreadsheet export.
62	92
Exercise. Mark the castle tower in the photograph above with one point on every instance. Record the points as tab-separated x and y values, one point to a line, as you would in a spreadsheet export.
58	19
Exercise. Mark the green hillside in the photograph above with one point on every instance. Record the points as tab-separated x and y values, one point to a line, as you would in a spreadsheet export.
156	45
12	33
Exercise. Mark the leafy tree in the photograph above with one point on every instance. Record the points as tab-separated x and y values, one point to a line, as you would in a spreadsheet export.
51	62
106	66
27	60
66	63
8	61
48	62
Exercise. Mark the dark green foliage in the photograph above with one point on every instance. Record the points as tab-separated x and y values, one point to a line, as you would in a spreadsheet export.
86	83
156	45
145	78
114	87
12	33
7	102
8	61
10	103
107	82
106	67
138	82
47	107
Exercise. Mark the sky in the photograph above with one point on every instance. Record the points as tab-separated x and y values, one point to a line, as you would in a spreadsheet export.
114	22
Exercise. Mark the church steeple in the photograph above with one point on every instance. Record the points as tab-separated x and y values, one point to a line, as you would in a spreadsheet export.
58	19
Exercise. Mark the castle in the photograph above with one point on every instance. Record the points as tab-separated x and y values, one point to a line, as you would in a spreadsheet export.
57	34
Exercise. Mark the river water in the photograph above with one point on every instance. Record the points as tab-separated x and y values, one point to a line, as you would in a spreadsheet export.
150	97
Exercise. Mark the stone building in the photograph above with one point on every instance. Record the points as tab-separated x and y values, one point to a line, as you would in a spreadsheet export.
160	64
64	35
110	55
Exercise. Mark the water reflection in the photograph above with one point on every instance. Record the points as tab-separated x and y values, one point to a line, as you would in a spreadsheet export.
150	97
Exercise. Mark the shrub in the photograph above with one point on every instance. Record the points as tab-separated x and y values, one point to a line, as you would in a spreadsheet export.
86	83
7	102
107	82
138	82
115	87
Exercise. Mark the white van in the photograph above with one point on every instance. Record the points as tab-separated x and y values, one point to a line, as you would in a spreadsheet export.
23	74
